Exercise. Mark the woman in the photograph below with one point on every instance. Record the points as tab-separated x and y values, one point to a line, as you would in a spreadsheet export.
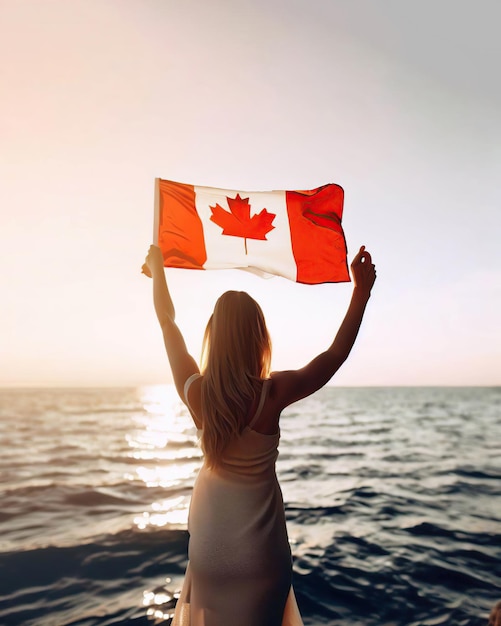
240	566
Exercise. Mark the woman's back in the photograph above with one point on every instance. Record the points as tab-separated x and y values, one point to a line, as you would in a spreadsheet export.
240	561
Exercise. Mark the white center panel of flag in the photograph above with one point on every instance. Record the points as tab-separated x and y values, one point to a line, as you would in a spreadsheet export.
272	255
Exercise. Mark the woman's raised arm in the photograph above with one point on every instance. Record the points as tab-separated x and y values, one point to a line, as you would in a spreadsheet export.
290	386
182	364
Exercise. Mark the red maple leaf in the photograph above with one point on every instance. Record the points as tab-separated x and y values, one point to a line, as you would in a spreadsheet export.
238	222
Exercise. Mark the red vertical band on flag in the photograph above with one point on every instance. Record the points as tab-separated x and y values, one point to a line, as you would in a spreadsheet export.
318	243
180	230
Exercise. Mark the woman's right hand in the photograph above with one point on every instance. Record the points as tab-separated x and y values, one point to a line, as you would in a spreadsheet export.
363	271
154	260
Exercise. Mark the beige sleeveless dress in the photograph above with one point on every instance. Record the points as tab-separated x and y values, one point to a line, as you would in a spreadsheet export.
240	566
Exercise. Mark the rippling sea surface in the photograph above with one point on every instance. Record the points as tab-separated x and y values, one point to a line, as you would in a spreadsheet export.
393	502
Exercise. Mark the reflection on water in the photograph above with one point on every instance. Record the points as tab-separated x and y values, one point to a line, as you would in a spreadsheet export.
172	512
166	476
161	603
164	442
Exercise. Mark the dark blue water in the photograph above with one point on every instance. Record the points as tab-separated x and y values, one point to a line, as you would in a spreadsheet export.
393	502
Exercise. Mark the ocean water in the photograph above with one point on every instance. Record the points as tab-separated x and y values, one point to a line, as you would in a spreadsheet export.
393	502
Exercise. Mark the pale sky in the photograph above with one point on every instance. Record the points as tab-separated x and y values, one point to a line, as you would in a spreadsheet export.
397	102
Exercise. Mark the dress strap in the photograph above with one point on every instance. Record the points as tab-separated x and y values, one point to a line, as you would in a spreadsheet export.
187	386
264	393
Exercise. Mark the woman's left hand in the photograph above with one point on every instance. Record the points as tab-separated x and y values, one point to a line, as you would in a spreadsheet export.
153	260
363	271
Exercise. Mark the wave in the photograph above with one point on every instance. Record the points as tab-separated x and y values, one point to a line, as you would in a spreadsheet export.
110	567
106	582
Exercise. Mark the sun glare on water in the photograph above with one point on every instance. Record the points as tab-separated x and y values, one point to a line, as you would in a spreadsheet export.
165	454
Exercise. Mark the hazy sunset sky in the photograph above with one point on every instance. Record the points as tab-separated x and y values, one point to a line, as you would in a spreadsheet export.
397	102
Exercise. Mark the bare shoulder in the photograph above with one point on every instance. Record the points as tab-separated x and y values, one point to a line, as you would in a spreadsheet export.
278	394
281	388
289	386
264	413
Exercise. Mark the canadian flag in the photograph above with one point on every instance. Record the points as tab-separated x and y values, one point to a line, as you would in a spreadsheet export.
294	234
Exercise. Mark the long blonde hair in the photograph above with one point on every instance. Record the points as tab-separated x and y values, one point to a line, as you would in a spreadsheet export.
236	357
